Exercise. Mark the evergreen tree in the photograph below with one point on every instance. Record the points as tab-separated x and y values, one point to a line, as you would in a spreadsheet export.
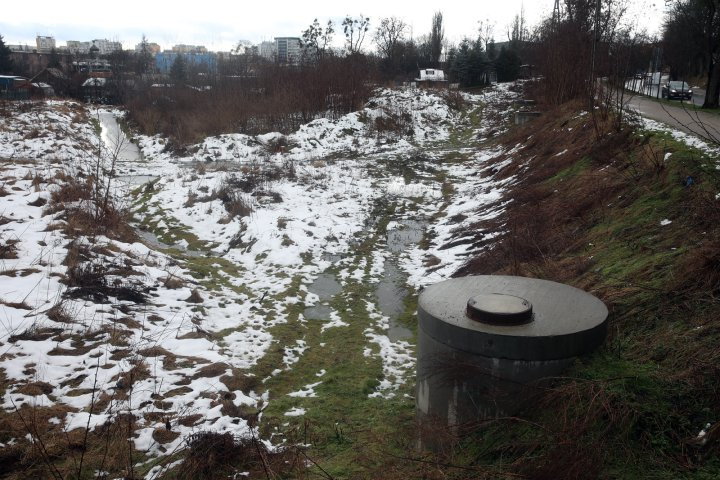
478	63
6	63
468	64
143	59
507	65
178	70
437	35
491	51
460	66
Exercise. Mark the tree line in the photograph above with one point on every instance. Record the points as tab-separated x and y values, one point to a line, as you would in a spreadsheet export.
691	43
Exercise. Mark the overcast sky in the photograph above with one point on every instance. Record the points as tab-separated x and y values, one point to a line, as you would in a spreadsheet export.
220	24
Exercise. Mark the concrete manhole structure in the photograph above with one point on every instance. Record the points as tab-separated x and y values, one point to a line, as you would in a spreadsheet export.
484	342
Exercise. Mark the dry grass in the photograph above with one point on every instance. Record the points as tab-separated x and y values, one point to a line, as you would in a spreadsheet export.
228	192
591	218
215	455
88	216
18	305
274	99
172	282
547	219
195	297
58	454
8	249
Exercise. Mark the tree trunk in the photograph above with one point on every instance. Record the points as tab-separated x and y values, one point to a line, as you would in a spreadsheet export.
712	94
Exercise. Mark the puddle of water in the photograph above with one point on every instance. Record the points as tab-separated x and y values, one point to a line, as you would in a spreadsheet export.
136	180
213	165
390	294
391	291
331	257
325	286
318	312
154	242
408	233
151	239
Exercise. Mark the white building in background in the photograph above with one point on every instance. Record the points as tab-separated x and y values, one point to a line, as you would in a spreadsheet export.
21	48
152	47
431	75
76	47
44	44
267	50
287	50
182	48
105	46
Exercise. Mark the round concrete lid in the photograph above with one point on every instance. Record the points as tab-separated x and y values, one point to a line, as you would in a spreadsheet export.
499	309
566	321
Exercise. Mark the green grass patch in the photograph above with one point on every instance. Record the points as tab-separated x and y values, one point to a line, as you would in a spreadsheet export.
573	170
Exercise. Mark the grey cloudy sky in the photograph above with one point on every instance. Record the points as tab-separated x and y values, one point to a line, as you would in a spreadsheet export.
220	24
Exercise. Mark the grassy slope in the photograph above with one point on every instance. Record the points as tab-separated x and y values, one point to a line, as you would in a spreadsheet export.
592	218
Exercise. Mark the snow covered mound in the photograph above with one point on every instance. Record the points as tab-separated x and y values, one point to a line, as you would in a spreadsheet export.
56	130
393	120
96	327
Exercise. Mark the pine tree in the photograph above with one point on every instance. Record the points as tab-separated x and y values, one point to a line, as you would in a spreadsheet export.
6	63
178	70
460	66
507	65
143	59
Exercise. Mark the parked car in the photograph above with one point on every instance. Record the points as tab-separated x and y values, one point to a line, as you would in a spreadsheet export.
677	89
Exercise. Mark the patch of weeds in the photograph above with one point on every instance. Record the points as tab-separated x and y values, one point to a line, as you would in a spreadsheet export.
9	249
573	170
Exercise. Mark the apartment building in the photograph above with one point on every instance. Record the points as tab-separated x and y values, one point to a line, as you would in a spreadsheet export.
287	50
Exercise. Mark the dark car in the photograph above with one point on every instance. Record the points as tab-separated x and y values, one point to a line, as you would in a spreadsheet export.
677	90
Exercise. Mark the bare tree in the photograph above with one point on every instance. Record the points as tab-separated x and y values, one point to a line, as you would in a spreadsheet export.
564	50
389	35
486	30
437	35
355	30
316	39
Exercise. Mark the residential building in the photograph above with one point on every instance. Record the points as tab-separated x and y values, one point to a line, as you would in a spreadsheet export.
14	88
189	49
105	46
21	48
267	50
78	47
44	44
30	63
287	50
53	77
153	48
202	61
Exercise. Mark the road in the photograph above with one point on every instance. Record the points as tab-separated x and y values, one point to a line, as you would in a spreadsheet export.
681	116
653	90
